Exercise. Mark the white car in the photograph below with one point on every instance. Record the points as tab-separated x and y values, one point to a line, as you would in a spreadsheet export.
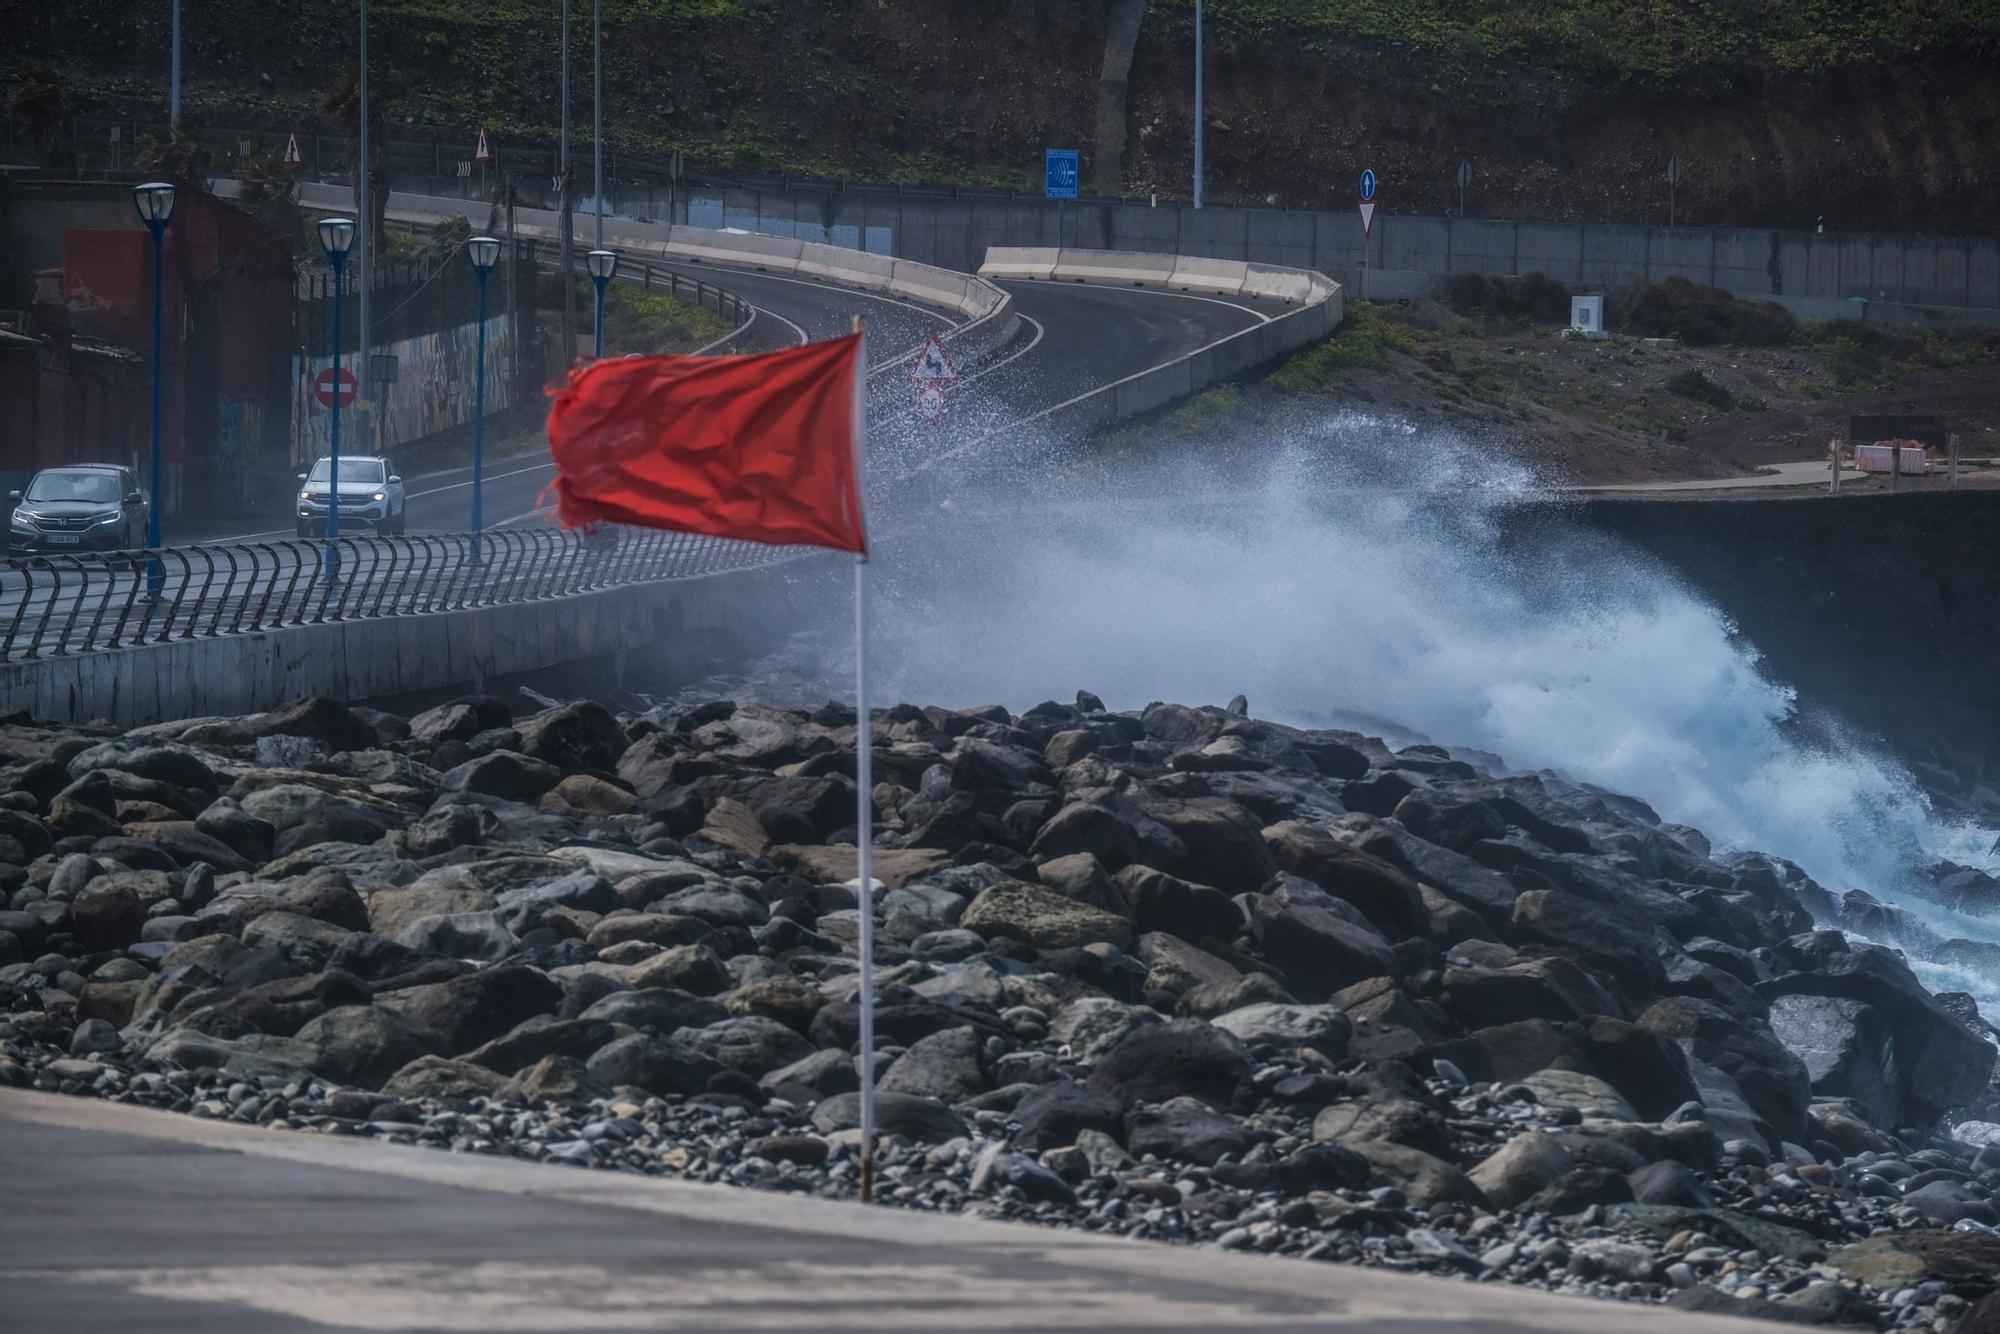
370	494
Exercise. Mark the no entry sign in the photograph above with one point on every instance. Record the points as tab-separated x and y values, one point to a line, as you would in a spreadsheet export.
324	387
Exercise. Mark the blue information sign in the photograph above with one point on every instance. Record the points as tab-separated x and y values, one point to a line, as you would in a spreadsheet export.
1060	173
1368	184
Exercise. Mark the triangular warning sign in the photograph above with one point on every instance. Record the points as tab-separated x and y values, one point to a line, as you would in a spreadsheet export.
292	151
1367	215
932	366
482	152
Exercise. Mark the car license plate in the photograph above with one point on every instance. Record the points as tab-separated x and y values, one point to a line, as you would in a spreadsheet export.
72	539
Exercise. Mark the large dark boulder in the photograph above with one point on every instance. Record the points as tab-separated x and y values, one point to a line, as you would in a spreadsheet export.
107	916
1317	949
1224	846
572	737
539	1037
949	1066
1386	895
1186	1056
660	1009
503	773
1161	902
1602	937
365	1044
1942	1063
322	719
1053	1115
659	1065
1773	1080
477	1007
1186	1130
1849	1051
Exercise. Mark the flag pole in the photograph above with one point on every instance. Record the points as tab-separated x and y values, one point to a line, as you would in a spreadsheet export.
864	789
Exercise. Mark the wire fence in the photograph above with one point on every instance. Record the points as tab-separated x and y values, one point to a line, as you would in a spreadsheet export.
63	605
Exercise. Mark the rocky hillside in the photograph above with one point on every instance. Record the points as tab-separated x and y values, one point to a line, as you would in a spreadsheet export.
1865	114
1176	974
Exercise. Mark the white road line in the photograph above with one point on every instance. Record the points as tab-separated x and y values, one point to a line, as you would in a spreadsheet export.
1260	316
1012	356
925	311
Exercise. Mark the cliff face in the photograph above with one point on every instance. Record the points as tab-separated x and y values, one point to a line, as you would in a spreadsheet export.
1888	127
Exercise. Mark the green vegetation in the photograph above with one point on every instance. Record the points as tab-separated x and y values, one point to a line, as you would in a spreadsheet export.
1703	316
1640	39
636	320
1692	384
1534	296
1364	340
1865	356
538	11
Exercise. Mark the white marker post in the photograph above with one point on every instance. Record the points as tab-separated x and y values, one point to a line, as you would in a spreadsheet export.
864	790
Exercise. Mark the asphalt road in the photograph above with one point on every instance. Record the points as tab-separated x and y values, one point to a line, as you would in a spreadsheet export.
123	1218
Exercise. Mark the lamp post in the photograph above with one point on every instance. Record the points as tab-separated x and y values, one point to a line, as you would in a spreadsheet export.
603	264
337	236
483	251
155	202
1197	103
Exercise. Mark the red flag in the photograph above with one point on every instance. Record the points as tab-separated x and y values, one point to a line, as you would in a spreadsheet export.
762	448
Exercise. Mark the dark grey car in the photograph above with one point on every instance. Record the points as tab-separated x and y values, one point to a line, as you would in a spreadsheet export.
83	507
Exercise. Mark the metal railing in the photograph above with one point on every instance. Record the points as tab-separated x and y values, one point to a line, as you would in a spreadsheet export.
62	605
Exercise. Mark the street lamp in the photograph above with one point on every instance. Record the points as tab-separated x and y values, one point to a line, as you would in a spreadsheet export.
483	251
155	202
603	264
337	236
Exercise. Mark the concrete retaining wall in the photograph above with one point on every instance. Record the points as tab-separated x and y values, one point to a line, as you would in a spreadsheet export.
663	633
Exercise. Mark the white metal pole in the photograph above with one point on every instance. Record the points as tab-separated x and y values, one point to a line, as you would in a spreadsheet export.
864	793
1197	103
174	94
365	280
597	126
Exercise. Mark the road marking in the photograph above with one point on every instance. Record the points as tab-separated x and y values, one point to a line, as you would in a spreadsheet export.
925	311
1012	356
1260	316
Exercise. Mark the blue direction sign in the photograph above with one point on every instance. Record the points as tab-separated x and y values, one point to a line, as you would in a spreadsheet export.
1367	185
1060	173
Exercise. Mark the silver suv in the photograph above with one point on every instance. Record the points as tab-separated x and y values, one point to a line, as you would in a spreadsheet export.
369	494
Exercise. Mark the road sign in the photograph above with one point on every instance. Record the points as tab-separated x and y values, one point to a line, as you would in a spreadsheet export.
930	401
292	155
1367	215
1061	170
1464	173
933	365
1367	185
1673	171
323	387
482	152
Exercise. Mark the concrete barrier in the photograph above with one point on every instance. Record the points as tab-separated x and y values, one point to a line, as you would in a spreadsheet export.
1031	262
988	316
1123	267
1217	277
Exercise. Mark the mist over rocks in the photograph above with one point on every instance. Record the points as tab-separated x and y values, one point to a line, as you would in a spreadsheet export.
1176	973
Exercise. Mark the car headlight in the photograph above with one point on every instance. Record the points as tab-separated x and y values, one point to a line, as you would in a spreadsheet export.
18	520
305	495
379	495
112	517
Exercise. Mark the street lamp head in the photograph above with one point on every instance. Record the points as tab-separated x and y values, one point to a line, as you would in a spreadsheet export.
602	264
483	251
155	201
337	235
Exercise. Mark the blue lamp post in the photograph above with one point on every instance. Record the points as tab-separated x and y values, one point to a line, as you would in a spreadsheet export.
603	265
337	236
483	251
155	201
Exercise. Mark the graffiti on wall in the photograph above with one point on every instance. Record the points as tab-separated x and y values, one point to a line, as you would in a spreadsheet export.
239	441
433	391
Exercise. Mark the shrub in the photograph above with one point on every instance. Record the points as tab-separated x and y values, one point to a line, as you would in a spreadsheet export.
1701	316
1691	383
1535	296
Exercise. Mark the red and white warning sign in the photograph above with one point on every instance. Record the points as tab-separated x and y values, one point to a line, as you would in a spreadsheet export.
482	152
334	388
933	366
1367	215
292	155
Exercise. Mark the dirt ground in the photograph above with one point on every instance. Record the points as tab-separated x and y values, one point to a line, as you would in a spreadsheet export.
1631	410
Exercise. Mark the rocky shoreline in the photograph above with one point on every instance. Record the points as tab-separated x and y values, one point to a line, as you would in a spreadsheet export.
1176	974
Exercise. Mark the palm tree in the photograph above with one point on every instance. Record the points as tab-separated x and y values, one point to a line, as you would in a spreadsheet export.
178	157
37	101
